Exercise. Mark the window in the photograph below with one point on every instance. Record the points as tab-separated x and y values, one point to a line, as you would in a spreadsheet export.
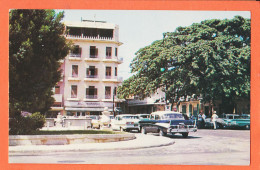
92	72
93	52
76	51
108	72
57	89
107	92
91	92
115	71
74	70
116	52
74	89
108	52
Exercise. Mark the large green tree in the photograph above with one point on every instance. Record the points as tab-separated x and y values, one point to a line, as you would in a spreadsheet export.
211	58
36	44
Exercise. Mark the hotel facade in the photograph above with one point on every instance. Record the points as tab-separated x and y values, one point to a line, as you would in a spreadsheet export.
90	71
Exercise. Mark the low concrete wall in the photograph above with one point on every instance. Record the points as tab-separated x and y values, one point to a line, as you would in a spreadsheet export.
15	140
49	121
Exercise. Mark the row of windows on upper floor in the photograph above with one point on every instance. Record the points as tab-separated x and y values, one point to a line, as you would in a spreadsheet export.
92	71
93	52
91	92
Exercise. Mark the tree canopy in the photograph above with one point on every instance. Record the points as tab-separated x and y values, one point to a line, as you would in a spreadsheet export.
36	44
209	59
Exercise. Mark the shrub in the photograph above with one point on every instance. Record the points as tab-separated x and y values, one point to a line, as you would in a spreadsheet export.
20	125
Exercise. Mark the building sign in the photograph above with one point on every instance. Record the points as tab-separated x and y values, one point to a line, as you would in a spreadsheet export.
87	104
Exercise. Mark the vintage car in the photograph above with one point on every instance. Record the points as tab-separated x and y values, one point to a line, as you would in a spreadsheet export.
95	121
237	121
126	123
220	123
167	122
143	116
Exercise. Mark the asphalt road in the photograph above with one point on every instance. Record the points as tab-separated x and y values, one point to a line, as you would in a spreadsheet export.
205	147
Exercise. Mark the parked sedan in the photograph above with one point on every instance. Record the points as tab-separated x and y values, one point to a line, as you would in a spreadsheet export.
143	116
126	123
220	123
238	121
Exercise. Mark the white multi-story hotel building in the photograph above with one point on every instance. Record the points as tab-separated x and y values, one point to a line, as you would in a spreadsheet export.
90	71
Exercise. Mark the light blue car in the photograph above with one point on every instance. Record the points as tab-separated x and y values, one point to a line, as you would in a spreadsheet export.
237	121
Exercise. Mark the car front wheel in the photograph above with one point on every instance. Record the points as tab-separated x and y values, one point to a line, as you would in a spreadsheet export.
161	133
143	130
185	135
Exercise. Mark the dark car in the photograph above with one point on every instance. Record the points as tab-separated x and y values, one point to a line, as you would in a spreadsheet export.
167	122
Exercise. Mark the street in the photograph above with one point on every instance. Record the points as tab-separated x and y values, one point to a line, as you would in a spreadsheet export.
205	147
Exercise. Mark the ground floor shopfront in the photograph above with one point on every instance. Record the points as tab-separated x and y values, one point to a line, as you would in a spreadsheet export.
194	107
83	108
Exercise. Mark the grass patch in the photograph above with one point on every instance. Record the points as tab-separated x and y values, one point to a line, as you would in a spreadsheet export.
72	132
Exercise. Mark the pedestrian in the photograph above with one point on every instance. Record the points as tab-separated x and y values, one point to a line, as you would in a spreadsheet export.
214	119
203	117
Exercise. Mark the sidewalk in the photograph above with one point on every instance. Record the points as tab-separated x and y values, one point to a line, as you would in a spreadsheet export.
141	141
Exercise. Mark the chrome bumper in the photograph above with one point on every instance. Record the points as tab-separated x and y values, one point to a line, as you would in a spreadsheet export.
182	128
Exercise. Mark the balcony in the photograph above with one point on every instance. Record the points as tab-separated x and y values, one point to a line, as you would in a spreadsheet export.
91	96
82	37
93	58
73	78
108	97
73	56
110	59
113	79
91	78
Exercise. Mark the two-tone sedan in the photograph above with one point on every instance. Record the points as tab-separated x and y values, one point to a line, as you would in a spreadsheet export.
167	122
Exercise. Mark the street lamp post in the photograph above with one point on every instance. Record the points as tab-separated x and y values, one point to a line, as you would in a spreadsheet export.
114	102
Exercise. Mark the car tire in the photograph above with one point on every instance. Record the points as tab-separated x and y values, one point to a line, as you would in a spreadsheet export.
185	135
143	130
161	133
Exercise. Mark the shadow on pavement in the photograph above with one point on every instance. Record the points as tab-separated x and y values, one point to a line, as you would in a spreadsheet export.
180	137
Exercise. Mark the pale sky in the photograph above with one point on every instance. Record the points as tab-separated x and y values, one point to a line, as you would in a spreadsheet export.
139	28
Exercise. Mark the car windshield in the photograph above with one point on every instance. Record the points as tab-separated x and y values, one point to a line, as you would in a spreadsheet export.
172	116
130	117
144	116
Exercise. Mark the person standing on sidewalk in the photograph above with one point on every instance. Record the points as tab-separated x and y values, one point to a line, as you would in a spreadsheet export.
214	119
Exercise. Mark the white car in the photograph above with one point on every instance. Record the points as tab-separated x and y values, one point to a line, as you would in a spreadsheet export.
126	123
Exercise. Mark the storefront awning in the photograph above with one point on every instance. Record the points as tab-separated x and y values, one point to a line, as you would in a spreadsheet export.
96	109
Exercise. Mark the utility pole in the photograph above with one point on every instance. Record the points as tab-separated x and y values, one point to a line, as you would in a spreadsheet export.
114	102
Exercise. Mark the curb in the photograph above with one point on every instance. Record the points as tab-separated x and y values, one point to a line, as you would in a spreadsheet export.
82	148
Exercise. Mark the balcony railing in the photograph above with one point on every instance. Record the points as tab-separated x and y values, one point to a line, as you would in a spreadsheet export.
108	77
108	57
91	96
75	75
75	55
92	76
89	37
93	56
107	96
